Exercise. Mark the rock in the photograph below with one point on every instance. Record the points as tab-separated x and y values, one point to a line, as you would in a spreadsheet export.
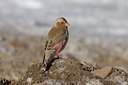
69	72
103	72
4	81
119	76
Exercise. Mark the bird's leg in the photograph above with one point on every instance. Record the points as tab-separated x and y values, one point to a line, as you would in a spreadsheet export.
59	57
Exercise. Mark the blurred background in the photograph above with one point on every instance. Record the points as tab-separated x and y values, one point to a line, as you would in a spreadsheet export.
98	32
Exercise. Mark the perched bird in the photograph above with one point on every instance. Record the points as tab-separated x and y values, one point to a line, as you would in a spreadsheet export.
56	41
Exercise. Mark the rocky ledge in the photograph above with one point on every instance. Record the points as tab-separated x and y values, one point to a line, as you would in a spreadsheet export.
70	72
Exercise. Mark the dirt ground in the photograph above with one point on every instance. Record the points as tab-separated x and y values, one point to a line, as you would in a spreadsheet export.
70	72
20	57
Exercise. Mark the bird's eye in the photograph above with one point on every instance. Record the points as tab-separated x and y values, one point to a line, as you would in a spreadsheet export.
62	22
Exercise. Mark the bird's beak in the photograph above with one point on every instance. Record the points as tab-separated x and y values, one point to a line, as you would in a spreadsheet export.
67	24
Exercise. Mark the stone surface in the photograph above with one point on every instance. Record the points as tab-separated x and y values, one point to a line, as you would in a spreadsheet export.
103	72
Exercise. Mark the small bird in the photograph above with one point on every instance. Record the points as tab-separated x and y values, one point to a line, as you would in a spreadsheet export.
56	41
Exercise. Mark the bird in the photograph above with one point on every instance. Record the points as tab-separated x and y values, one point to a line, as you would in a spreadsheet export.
56	41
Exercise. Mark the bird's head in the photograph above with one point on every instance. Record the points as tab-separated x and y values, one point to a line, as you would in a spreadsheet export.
61	23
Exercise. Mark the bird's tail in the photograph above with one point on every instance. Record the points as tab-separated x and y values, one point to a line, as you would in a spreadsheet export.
50	60
43	58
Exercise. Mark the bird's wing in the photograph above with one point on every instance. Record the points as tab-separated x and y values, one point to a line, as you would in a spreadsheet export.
55	37
53	41
66	39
